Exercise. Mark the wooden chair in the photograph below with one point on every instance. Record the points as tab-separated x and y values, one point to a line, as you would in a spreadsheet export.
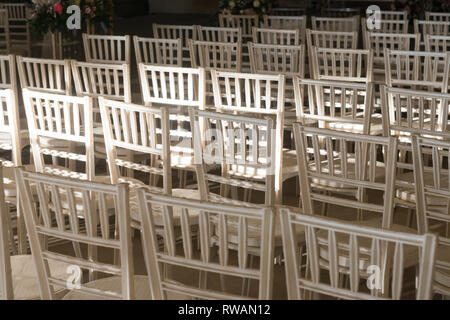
437	16
426	27
223	221
245	22
219	34
106	49
417	70
350	24
61	220
19	30
287	23
257	95
173	32
432	198
216	55
5	37
18	272
159	51
276	36
337	105
46	75
150	138
393	15
437	43
332	39
342	64
387	26
372	252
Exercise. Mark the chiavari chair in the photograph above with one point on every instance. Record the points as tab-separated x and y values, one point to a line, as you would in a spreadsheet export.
106	49
219	34
350	24
19	30
426	27
437	43
387	26
287	23
158	51
276	36
437	16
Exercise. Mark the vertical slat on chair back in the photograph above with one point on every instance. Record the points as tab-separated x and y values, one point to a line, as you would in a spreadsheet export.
243	146
61	202
344	104
342	64
427	71
276	36
332	39
10	125
5	37
18	24
219	34
437	43
159	51
135	128
350	161
216	55
173	85
245	22
47	75
437	16
287	23
107	80
387	26
6	283
185	33
219	220
371	251
350	24
437	28
106	49
8	72
66	120
393	15
411	112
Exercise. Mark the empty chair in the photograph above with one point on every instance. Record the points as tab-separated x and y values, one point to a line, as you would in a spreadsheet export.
159	51
430	27
287	23
432	180
332	39
19	30
350	24
386	26
219	34
71	199
5	38
216	55
437	16
370	250
223	222
244	22
173	32
276	36
437	43
106	49
393	15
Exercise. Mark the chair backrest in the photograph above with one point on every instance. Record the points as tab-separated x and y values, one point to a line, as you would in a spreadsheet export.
245	22
219	34
287	23
342	64
8	78
107	49
242	146
135	128
10	126
345	105
409	112
173	85
219	220
387	26
332	39
107	80
60	198
368	250
216	55
159	51
417	70
437	28
437	16
393	15
5	37
18	15
276	36
347	161
437	43
275	59
65	121
47	75
349	24
173	32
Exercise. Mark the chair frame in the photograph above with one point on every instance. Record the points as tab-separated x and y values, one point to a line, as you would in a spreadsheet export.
111	46
158	51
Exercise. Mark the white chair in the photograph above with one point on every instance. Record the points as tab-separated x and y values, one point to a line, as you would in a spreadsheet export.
223	221
287	23
106	49
417	70
158	51
244	22
426	27
432	187
19	30
435	43
393	15
332	39
219	34
350	24
371	251
387	26
61	220
342	64
437	16
276	36
173	32
216	55
5	38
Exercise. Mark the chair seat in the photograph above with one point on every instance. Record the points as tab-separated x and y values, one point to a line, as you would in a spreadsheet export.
410	254
409	194
376	128
25	282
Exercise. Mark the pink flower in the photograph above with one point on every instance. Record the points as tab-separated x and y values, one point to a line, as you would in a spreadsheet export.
58	8
87	10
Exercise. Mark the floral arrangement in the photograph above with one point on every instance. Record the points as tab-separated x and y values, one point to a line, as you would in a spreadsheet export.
258	7
51	15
